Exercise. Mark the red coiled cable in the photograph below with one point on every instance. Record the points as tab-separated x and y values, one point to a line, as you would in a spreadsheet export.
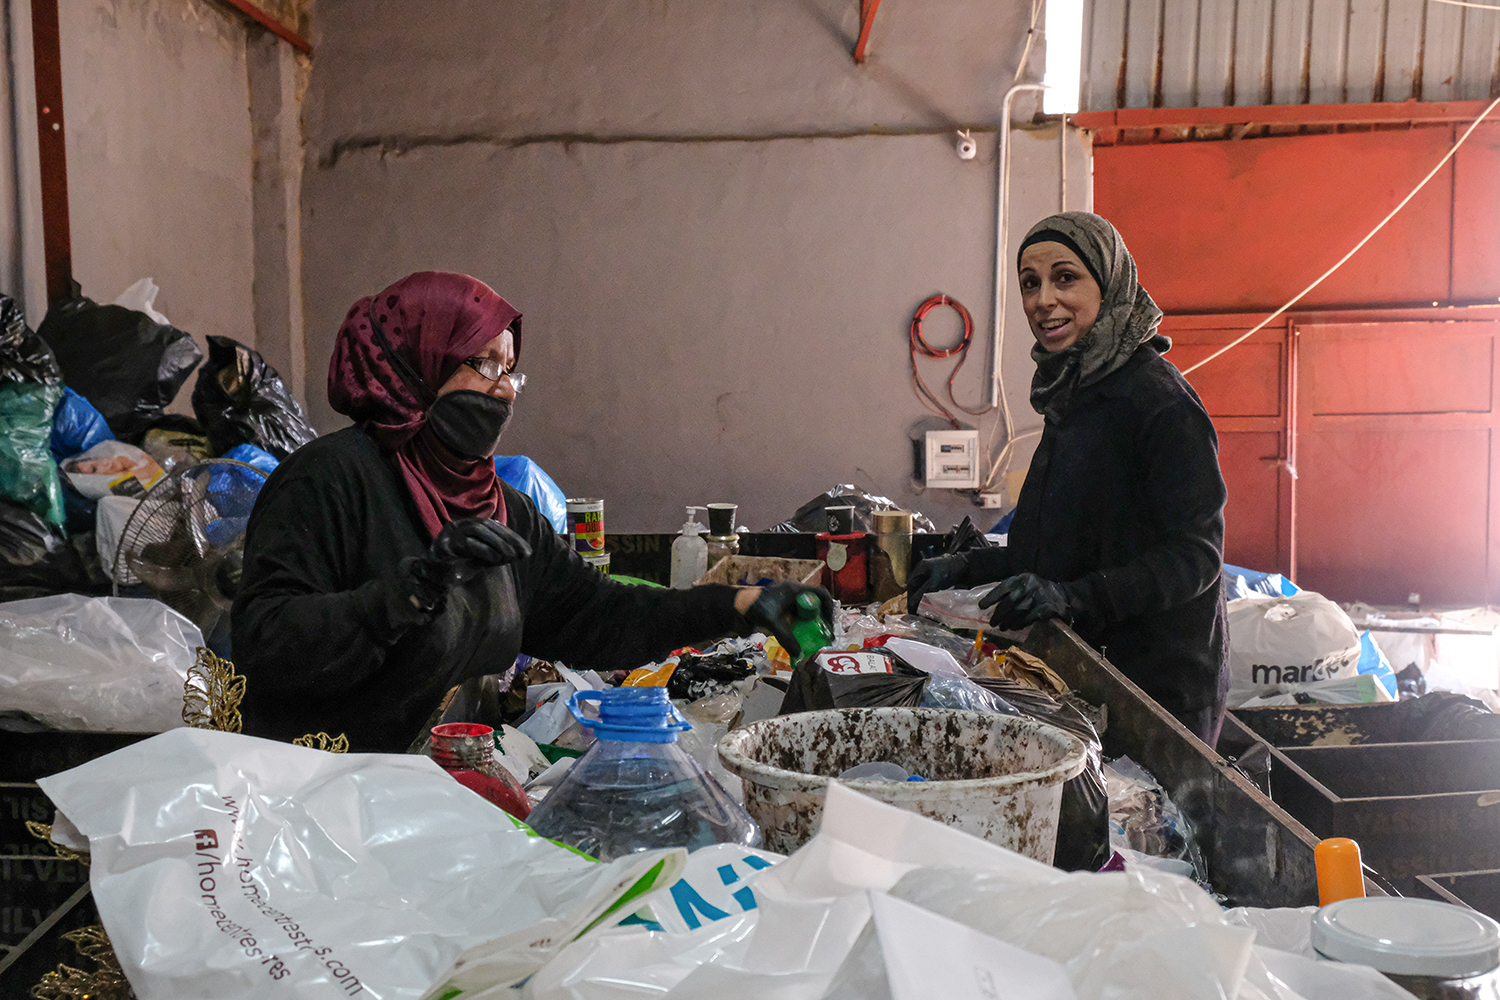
920	347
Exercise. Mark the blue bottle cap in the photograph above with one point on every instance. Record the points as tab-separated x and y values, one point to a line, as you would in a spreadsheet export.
632	714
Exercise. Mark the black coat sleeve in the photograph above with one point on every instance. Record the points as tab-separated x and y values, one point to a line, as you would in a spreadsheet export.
1183	491
987	565
576	614
304	622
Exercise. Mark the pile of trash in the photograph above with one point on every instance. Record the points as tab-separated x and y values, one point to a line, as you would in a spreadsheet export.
83	405
893	661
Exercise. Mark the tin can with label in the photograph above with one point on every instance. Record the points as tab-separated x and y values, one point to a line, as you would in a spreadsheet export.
586	525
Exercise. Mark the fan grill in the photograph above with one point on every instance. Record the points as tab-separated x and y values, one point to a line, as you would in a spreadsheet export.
184	541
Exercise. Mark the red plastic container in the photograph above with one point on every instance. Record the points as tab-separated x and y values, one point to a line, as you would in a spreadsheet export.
466	750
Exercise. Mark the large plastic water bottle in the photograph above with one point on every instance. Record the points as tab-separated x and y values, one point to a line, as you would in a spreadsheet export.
636	789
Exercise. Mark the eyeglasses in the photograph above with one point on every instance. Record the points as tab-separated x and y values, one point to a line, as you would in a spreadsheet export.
495	371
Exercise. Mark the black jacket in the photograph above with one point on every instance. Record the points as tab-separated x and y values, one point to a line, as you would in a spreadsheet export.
326	647
1124	500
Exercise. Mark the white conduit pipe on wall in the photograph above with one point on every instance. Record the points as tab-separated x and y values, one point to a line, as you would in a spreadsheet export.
1002	251
1002	222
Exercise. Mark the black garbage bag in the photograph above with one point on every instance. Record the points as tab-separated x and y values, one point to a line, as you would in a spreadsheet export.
814	688
24	356
124	362
1411	682
1444	715
36	562
813	515
1083	819
241	400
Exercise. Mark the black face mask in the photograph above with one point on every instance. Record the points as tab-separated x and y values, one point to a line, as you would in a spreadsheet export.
469	423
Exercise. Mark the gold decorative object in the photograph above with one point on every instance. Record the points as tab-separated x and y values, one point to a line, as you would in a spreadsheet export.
106	982
322	741
43	831
211	697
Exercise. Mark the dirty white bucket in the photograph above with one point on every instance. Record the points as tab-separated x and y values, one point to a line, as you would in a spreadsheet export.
995	776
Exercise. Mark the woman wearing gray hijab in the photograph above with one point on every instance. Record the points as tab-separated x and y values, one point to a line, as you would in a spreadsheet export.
1119	528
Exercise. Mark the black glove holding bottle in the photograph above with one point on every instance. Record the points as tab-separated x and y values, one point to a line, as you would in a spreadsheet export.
461	551
1025	599
935	573
780	607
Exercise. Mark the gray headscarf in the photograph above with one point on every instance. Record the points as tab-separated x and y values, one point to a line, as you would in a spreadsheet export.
1127	316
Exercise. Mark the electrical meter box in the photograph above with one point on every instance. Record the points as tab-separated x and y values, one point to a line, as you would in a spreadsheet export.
952	460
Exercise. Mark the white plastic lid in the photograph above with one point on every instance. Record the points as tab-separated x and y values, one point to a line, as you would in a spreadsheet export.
1410	937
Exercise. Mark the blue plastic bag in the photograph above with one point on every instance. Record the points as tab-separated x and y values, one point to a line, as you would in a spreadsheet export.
251	455
1373	661
528	477
1244	582
233	491
76	426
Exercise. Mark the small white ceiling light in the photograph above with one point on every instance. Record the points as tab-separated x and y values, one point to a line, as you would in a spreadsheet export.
1064	33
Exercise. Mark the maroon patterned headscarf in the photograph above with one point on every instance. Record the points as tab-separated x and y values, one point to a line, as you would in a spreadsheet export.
384	375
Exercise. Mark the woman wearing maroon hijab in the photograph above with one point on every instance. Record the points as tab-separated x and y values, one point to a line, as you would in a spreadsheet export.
387	562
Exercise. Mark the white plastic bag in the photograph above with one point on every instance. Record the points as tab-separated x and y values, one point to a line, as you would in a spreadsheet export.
110	517
958	608
1299	639
717	883
928	658
908	953
811	909
1361	689
1135	935
238	868
106	664
138	471
1127	936
141	297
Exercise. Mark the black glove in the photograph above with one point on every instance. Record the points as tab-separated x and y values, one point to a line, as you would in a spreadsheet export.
1027	598
777	609
463	549
934	573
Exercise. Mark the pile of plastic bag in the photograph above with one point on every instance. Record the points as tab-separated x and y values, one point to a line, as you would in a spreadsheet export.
84	433
283	870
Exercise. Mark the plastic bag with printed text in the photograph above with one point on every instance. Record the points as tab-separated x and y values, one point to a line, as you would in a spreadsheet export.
247	869
870	678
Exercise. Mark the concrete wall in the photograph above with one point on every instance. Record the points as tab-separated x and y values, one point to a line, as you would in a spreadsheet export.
160	157
716	225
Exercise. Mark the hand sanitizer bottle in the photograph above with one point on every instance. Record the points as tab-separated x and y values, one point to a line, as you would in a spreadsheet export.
689	552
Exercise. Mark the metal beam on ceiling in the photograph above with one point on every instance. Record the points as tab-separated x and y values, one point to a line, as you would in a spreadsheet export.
254	12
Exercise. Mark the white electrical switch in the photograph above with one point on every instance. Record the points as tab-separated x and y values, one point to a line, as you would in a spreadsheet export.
953	460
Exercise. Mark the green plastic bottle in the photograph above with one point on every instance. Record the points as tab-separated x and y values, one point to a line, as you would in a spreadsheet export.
811	631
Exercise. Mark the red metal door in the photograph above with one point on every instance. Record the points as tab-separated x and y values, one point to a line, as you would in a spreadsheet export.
1246	394
1395	453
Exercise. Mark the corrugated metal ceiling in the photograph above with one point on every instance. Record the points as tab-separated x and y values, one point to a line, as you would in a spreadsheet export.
1212	53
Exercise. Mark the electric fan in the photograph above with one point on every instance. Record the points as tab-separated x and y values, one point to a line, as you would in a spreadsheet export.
184	544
